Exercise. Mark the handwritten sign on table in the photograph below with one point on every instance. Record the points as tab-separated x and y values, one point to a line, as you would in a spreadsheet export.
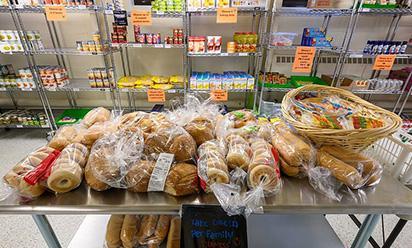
226	15
219	95
303	59
156	95
384	62
210	226
141	17
56	13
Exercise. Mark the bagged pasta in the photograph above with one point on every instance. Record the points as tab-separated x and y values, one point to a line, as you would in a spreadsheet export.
112	156
211	164
28	176
171	139
297	155
153	230
67	170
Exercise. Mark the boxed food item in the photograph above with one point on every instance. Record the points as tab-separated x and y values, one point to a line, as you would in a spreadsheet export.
282	39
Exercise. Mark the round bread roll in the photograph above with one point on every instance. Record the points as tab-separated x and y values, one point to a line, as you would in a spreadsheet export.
139	176
14	176
263	176
99	114
237	157
201	129
182	180
37	157
241	118
64	136
183	147
73	155
92	181
130	121
291	171
156	143
113	230
217	176
128	234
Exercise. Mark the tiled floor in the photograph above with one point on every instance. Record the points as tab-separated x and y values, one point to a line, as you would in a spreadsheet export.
20	231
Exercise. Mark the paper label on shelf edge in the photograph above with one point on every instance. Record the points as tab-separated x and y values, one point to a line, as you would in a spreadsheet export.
154	95
26	89
19	126
168	46
160	172
56	13
226	15
365	10
124	90
141	17
137	45
303	59
224	54
218	95
384	62
51	89
76	89
108	12
82	6
356	56
243	54
158	45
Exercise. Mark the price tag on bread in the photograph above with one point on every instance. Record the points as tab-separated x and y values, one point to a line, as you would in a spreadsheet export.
56	13
219	95
160	172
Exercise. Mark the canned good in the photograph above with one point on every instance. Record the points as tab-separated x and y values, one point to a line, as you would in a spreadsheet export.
154	38
79	46
136	29
176	33
92	46
85	46
96	38
149	38
141	38
231	47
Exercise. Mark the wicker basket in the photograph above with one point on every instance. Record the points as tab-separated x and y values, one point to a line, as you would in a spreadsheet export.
356	139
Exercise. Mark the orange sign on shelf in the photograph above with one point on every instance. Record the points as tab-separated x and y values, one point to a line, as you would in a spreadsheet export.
141	17
303	59
384	62
156	95
56	13
219	95
226	15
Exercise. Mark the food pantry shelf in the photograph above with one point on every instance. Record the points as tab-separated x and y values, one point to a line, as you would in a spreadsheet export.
333	50
69	9
357	54
137	45
156	14
289	11
396	11
296	196
170	91
82	85
23	126
359	92
71	51
4	9
213	11
228	90
223	54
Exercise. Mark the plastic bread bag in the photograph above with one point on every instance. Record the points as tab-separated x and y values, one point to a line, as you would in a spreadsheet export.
239	152
28	176
353	170
147	122
211	164
130	228
67	170
153	230
113	231
233	121
297	155
67	135
95	115
197	117
229	197
113	155
180	180
263	171
173	238
171	139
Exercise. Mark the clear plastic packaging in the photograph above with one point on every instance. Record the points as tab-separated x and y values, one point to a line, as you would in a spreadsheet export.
282	39
297	155
28	176
113	230
173	139
113	155
67	170
263	171
130	228
153	230
96	131
240	122
95	115
239	152
67	135
173	238
211	164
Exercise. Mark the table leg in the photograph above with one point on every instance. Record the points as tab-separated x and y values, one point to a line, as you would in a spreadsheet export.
395	232
365	230
46	231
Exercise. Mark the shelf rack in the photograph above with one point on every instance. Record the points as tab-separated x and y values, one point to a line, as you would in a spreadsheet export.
342	51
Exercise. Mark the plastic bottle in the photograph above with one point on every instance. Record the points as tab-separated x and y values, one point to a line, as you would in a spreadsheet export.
403	47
